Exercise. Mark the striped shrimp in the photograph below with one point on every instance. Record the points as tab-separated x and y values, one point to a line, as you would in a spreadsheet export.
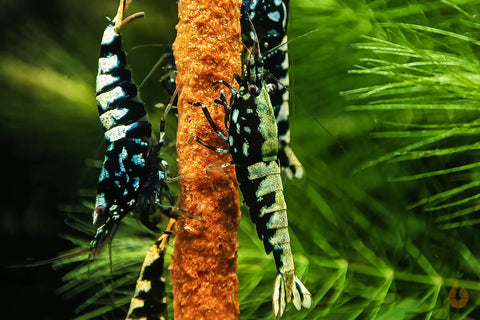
150	299
253	144
269	19
133	175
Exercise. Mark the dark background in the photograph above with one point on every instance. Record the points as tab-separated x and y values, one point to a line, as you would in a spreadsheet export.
50	132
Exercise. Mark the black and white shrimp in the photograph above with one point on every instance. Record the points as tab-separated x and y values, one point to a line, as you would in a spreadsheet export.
132	178
149	301
253	144
269	19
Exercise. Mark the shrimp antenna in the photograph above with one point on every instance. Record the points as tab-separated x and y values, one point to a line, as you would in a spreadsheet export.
152	70
119	20
256	44
291	40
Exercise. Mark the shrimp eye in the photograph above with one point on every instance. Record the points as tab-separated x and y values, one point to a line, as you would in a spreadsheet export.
253	89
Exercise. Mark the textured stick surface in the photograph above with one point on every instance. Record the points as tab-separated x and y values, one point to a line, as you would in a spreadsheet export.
204	263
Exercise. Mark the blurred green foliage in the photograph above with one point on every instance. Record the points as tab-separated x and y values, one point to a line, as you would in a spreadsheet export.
384	117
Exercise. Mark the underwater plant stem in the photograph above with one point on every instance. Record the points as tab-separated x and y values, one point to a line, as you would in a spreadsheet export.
204	263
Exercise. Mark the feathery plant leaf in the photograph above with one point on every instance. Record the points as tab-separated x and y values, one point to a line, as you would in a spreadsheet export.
426	99
109	281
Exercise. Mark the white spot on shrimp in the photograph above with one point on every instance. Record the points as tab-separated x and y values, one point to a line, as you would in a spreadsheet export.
274	16
136	183
109	35
119	132
279	238
119	113
262	169
253	4
121	158
235	115
104	80
138	160
161	175
103	173
285	61
140	141
105	99
136	303
144	285
270	184
110	118
283	112
284	22
107	64
245	149
278	220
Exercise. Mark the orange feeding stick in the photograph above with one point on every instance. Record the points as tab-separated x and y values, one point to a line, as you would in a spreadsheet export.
204	264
